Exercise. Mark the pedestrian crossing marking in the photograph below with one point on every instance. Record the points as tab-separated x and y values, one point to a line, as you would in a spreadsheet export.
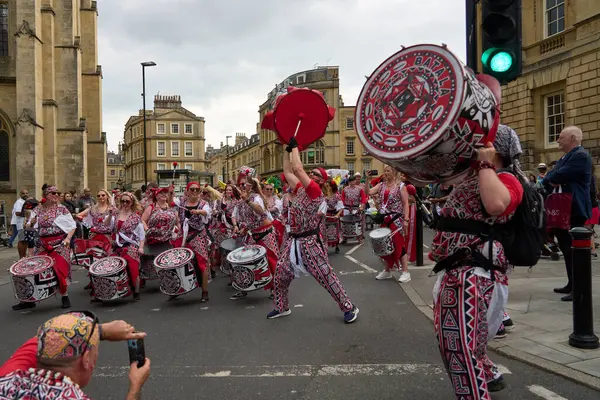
544	393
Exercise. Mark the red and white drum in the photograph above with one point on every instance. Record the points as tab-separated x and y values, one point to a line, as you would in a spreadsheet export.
86	252
110	279
151	251
34	279
332	229
175	269
249	268
381	242
227	246
425	113
351	226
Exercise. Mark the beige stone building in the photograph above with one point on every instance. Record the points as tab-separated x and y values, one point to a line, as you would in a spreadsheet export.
560	84
115	170
50	97
352	153
174	135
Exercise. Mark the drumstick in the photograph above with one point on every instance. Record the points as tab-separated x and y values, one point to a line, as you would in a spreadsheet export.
300	118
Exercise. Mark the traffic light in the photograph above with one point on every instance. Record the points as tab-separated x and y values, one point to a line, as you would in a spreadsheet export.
501	39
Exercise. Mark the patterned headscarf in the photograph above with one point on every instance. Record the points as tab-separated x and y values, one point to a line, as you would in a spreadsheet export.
507	145
64	338
50	189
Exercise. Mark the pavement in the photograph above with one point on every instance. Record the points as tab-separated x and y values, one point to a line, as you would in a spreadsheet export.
227	349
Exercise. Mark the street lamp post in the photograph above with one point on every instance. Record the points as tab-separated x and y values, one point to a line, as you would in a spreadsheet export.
227	157
144	65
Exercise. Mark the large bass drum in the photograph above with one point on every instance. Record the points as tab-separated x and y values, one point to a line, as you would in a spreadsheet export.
34	279
425	113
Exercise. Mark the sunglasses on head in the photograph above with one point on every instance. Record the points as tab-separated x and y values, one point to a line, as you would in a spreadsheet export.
95	324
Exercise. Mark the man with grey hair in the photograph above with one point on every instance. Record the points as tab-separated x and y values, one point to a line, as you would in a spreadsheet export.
572	173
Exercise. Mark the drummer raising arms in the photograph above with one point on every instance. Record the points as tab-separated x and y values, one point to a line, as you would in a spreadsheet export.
303	250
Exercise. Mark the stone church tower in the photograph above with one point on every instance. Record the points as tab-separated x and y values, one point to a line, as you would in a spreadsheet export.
50	97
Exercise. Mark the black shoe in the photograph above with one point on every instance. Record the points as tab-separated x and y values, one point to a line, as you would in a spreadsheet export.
501	334
563	290
337	249
213	274
66	303
204	298
23	306
509	325
568	297
136	297
496	385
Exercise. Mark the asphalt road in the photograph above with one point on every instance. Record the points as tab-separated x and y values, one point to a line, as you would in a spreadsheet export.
228	349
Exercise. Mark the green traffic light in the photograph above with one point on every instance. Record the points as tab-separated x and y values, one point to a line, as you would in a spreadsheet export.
501	62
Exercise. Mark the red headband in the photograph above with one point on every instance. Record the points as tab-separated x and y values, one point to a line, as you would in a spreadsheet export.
323	173
187	187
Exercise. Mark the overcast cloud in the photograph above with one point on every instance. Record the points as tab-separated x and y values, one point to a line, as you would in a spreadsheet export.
223	56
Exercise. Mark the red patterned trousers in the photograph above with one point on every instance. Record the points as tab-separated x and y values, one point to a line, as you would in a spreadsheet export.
315	260
461	327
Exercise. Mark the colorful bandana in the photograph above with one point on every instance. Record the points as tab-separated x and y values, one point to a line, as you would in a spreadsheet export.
65	337
50	189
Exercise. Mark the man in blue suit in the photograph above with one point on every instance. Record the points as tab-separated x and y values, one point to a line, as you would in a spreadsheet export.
573	173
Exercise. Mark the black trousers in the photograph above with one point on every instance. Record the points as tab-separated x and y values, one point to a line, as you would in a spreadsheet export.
564	242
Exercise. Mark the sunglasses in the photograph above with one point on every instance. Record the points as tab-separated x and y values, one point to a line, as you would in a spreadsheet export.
95	324
316	174
194	189
269	189
126	201
101	195
54	193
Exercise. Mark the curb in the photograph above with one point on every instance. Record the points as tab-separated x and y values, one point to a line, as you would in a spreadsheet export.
508	351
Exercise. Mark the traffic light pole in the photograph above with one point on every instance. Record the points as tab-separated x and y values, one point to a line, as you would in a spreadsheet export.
471	33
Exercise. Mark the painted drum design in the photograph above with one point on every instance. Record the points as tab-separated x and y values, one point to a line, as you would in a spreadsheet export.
381	242
227	246
110	279
249	268
351	226
175	269
34	279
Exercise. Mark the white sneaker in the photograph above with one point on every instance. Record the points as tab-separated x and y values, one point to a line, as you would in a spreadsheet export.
384	275
404	277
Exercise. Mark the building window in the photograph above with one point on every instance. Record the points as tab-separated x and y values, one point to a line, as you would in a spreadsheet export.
349	123
315	154
161	149
367	165
113	172
350	147
4	30
189	149
350	166
555	17
161	166
555	116
174	129
189	129
174	149
161	129
121	173
4	157
189	166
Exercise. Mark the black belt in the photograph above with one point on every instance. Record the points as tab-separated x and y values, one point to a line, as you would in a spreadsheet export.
464	257
305	234
257	237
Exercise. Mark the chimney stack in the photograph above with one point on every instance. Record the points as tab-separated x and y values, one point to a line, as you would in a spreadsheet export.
167	102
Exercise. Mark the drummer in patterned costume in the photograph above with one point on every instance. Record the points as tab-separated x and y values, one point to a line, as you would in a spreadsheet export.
335	208
222	216
254	224
275	206
55	227
354	199
195	214
393	209
129	238
468	300
213	197
303	251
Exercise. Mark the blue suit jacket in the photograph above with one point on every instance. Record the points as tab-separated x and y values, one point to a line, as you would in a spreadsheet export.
574	173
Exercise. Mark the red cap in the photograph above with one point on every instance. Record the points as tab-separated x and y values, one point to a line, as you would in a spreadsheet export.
323	173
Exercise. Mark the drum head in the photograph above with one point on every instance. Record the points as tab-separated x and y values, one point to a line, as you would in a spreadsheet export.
108	266
246	254
350	218
380	232
231	244
29	266
174	258
156	248
410	101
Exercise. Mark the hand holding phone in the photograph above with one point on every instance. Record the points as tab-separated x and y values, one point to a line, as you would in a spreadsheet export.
137	352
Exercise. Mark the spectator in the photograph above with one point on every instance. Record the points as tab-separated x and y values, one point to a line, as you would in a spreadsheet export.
532	179
61	359
542	170
85	201
16	223
439	195
68	202
573	173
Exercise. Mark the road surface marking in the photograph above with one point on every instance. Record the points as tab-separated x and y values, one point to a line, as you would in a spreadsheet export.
544	393
155	309
424	245
298	306
352	250
503	370
111	310
271	371
25	312
204	308
351	272
365	266
249	307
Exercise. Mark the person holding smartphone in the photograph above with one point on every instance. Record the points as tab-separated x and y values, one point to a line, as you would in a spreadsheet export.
61	358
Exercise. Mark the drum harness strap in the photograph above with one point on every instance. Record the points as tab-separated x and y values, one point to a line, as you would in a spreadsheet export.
468	255
257	237
313	232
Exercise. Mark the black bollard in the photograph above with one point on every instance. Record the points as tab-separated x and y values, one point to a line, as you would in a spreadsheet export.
419	232
583	336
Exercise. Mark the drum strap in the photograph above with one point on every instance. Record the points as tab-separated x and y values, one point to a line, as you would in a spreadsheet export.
257	237
464	257
305	234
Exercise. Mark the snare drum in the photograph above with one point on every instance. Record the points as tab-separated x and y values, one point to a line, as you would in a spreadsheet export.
175	269
86	252
151	251
351	226
332	229
249	268
34	279
227	246
110	279
381	242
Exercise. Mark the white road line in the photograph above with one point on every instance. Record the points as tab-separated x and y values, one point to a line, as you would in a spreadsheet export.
298	306
544	393
204	308
273	371
249	307
351	272
503	370
365	266
155	309
352	250
424	245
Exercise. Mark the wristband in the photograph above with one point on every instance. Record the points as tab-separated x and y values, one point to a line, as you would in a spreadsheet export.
484	164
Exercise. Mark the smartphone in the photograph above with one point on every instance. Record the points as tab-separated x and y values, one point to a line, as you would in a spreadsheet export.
136	352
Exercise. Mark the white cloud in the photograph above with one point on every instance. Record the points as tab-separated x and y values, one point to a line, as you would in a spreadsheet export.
223	57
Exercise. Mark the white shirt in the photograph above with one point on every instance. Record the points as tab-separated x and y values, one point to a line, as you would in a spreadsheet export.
16	220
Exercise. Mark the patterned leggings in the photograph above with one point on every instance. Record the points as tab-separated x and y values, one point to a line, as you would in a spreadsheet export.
314	259
461	327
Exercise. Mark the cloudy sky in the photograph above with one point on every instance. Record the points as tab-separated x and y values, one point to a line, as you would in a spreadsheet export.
223	56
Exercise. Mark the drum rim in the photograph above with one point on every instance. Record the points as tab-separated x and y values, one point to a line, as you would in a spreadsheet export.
354	218
379	229
263	253
455	112
313	93
50	263
104	274
190	251
230	239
